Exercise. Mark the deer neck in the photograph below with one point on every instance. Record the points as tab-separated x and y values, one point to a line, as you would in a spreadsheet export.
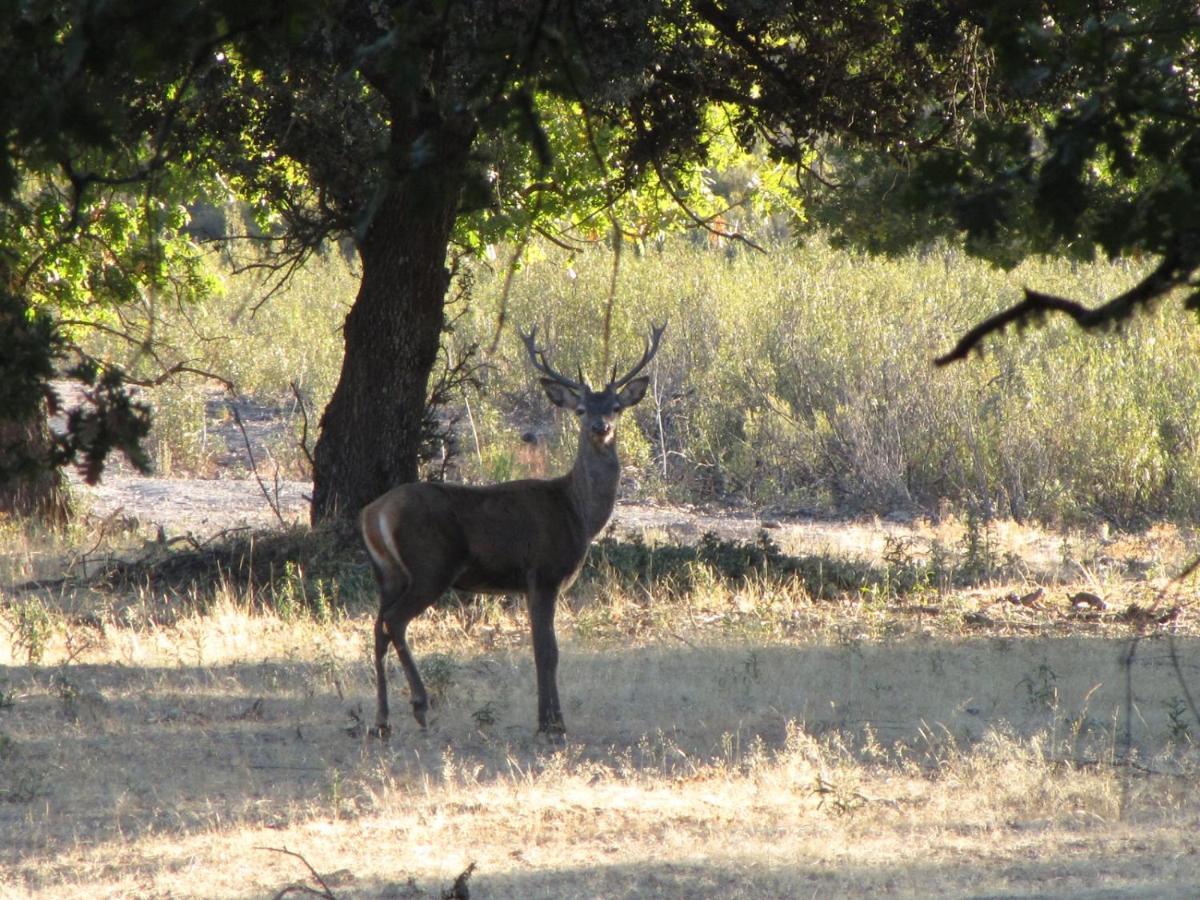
592	483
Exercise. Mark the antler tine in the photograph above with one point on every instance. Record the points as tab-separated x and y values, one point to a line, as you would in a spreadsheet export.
538	359
656	333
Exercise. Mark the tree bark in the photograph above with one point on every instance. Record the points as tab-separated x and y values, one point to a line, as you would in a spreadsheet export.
33	489
30	486
371	430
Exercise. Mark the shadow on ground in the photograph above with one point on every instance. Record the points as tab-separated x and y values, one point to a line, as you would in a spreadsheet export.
107	750
790	879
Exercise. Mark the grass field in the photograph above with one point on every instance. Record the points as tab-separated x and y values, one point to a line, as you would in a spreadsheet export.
727	738
940	702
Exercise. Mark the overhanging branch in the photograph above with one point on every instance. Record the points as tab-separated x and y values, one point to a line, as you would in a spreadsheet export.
1170	273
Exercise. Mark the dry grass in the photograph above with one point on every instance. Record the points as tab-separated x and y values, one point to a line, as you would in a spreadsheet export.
727	742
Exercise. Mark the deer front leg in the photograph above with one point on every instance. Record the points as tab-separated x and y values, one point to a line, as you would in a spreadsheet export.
545	658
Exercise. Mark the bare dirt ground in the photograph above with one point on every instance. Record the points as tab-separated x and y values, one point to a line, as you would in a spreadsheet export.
204	506
201	506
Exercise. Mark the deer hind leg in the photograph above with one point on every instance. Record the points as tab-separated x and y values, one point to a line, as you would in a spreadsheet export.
382	641
396	609
391	598
400	603
393	622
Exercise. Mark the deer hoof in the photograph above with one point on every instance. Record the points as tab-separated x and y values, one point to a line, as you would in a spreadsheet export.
419	709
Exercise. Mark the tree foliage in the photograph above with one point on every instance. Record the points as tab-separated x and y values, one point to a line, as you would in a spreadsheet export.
1110	165
78	239
407	126
1096	151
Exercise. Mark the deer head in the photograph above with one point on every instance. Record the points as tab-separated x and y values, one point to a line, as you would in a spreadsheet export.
597	410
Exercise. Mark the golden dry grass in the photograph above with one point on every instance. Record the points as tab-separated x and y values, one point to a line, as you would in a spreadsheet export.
726	742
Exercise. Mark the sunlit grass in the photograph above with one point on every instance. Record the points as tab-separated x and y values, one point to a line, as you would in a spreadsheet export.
709	755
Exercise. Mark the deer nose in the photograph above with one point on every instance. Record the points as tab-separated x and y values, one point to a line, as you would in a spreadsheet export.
601	427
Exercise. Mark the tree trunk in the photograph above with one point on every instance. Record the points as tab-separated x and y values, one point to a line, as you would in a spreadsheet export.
30	486
371	430
33	489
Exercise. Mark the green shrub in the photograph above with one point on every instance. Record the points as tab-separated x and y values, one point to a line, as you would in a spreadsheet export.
32	630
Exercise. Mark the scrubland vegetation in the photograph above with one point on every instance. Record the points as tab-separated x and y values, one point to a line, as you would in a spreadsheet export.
799	379
953	703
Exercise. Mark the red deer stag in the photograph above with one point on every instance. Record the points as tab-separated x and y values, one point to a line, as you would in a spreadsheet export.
528	536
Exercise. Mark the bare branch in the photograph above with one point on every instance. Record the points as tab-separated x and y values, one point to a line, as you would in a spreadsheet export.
179	369
1170	273
167	371
302	888
303	406
696	218
557	241
502	316
612	295
282	273
272	501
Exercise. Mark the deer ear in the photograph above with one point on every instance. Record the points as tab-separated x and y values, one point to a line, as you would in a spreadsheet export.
560	395
632	392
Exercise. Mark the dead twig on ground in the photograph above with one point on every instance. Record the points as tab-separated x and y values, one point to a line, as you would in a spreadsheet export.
297	887
459	890
102	533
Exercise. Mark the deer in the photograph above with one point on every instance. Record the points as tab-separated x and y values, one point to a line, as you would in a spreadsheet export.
517	537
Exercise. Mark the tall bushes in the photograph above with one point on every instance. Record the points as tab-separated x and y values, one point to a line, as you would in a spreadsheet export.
799	378
803	378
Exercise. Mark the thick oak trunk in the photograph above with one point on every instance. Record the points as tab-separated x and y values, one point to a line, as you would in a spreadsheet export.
371	430
30	488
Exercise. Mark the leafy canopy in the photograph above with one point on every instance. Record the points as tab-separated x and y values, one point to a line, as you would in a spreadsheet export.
1024	126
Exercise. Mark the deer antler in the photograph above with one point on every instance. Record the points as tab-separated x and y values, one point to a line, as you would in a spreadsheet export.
656	333
538	358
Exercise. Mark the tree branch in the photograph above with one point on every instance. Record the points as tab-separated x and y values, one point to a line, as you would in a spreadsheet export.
272	500
302	888
1171	272
303	406
698	220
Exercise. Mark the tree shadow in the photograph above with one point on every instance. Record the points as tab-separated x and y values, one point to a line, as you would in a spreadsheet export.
1091	877
117	751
